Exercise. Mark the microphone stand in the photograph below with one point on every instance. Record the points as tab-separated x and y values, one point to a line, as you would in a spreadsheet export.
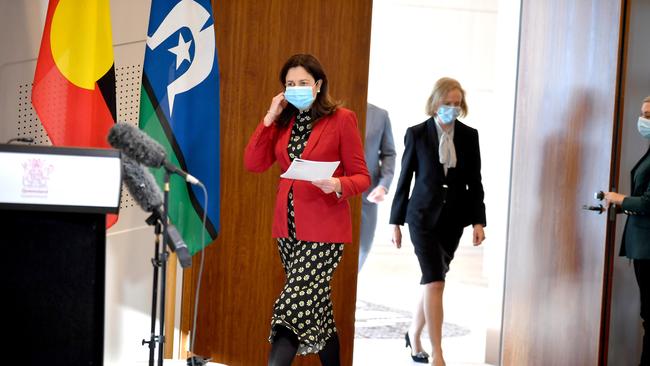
155	262
159	263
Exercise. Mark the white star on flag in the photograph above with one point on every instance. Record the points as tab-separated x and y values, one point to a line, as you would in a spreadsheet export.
182	51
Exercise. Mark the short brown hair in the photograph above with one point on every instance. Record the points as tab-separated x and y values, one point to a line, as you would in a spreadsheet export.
323	104
442	87
646	100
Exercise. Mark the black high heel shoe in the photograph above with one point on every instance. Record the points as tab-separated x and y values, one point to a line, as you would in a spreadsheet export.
420	357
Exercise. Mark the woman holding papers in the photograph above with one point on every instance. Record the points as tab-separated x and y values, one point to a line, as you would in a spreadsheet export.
312	218
444	155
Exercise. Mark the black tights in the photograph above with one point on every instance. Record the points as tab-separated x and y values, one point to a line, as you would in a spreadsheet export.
642	272
329	355
285	346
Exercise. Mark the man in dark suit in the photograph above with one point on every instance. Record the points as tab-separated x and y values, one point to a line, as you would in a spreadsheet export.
380	159
636	235
443	155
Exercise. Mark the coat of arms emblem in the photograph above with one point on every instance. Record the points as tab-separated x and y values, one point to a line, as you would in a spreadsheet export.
36	174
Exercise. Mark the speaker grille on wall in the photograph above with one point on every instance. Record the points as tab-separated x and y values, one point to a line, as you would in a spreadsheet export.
128	79
28	123
126	200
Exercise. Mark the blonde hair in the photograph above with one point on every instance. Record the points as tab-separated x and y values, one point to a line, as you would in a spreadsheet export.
646	100
440	90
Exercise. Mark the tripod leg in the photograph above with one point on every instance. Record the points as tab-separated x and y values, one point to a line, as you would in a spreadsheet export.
154	297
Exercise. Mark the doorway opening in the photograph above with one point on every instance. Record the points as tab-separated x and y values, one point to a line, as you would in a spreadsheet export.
414	43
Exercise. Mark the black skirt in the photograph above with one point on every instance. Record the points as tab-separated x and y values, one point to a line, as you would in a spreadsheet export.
435	247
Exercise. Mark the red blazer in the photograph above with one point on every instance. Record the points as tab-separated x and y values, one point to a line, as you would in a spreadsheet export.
319	217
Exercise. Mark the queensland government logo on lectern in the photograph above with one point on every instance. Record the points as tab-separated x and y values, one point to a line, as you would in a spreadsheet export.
36	176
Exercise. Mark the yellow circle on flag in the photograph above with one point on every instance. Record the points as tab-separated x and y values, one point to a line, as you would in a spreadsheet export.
81	40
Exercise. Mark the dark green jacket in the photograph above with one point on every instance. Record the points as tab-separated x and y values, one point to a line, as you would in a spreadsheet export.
636	236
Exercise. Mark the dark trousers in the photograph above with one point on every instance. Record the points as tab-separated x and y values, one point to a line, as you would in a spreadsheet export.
642	272
368	225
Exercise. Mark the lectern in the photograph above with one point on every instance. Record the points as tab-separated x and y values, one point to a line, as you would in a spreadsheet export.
53	206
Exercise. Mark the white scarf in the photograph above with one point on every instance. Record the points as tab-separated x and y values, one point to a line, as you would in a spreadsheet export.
446	149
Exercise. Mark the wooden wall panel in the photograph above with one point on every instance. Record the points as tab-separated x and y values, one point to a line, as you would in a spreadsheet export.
243	275
565	112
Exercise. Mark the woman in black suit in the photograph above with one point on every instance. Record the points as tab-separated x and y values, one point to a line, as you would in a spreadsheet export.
444	155
636	235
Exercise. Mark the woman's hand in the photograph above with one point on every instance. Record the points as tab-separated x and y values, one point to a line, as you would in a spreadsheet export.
278	103
478	235
328	185
397	236
377	195
613	198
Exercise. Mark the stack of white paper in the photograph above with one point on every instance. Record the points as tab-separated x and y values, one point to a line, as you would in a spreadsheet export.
310	170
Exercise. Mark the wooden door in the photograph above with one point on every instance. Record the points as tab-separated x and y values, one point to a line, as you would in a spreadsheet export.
243	275
565	117
625	335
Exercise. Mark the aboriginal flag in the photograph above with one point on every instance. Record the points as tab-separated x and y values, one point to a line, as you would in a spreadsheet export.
74	84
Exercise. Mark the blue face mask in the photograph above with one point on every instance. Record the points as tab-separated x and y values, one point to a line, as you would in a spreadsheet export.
300	96
644	127
447	113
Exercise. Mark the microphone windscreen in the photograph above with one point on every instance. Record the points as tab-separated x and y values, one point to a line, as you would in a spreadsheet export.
141	184
136	144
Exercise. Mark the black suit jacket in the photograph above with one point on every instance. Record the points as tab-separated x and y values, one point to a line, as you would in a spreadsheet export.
636	235
460	193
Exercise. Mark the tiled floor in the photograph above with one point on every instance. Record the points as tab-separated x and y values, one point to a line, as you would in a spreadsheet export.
388	288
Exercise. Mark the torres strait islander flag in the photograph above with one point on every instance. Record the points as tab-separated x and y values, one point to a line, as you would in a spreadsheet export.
74	84
179	108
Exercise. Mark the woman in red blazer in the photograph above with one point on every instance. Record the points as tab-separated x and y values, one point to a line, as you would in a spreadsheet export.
311	219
